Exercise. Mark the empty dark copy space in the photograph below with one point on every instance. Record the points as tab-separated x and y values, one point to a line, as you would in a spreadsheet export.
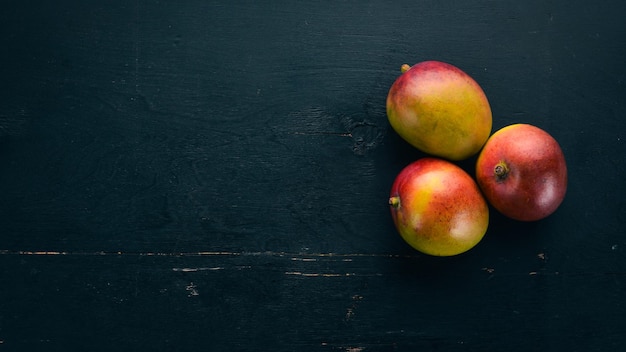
214	175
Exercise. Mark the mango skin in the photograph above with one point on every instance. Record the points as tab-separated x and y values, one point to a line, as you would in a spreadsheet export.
536	172
440	110
437	207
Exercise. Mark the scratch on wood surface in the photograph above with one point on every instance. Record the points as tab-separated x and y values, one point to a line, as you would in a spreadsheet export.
228	255
187	270
303	274
308	259
298	273
347	349
215	268
352	308
192	289
323	133
293	255
37	253
120	253
354	349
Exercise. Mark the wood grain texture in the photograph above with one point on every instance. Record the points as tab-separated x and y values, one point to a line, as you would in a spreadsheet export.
178	175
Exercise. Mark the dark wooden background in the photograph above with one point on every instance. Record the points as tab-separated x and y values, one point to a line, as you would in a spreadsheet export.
213	175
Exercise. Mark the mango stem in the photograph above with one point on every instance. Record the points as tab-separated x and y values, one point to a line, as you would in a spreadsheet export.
394	201
404	68
501	170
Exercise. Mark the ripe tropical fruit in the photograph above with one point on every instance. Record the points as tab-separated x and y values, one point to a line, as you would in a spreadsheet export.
522	172
440	110
437	207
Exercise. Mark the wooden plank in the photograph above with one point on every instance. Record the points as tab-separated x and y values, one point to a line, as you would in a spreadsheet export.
178	175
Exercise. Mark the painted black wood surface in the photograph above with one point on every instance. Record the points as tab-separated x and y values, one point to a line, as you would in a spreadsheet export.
212	175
